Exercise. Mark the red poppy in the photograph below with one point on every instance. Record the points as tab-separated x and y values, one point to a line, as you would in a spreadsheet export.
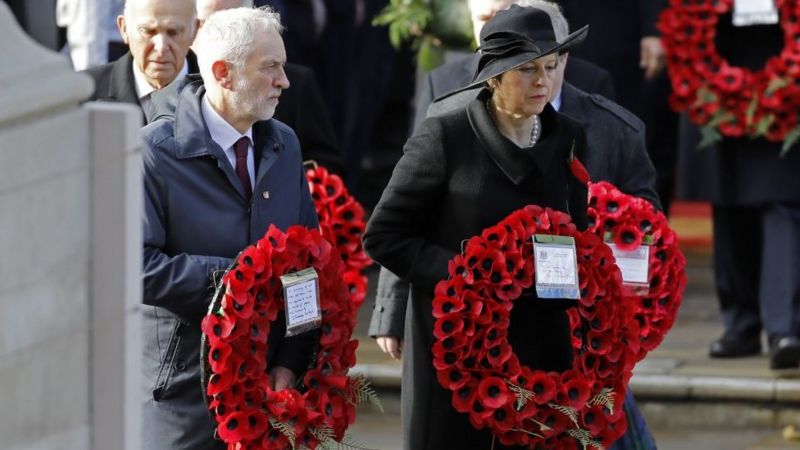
234	428
576	393
578	170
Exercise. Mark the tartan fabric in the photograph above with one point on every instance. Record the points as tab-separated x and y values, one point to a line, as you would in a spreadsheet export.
637	436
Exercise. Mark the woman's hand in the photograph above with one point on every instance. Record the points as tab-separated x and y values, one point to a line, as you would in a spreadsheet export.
281	378
391	345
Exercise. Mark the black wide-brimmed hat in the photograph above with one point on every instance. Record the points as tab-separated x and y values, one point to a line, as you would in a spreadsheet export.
515	36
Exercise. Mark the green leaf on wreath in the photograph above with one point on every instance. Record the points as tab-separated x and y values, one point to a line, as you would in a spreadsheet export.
585	438
572	413
327	440
710	136
530	433
789	140
523	395
763	125
750	113
285	429
775	84
705	95
360	391
604	398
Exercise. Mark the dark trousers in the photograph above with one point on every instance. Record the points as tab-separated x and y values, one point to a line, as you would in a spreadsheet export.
757	268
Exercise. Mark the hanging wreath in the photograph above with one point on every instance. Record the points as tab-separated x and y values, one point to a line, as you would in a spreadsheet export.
248	413
726	100
630	221
341	218
520	405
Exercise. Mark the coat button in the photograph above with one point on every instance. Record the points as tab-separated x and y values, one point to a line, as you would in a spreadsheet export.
180	366
265	194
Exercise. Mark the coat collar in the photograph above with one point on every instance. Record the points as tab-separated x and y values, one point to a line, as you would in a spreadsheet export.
122	86
516	163
193	139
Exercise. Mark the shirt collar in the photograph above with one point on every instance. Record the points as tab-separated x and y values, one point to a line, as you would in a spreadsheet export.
143	88
556	102
221	131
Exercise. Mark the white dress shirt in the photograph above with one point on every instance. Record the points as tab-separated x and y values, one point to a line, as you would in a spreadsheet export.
225	136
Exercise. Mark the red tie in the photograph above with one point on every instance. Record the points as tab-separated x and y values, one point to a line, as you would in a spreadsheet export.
240	148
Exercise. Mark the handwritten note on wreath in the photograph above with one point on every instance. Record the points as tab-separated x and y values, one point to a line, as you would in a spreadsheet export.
301	296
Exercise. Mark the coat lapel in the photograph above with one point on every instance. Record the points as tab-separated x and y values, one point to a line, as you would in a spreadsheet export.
122	87
268	142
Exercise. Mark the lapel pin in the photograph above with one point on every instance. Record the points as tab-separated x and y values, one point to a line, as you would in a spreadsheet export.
265	194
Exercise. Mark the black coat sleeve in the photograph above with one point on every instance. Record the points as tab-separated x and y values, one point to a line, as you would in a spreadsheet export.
650	9
397	235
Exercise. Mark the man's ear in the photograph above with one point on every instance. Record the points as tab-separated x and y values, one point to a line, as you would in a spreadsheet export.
196	28
222	73
123	29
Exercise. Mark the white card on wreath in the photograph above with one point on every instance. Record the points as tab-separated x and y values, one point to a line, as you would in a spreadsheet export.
556	262
301	301
754	12
634	264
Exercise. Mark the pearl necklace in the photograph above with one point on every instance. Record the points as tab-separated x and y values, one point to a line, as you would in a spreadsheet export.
536	131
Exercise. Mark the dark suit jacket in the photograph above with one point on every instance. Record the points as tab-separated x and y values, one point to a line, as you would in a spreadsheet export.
458	74
616	28
114	82
459	175
615	153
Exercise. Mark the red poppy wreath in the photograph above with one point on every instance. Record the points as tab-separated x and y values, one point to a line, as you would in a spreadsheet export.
577	408
248	412
341	218
630	222
726	100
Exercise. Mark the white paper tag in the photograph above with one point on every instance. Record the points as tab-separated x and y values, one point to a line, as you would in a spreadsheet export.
556	264
754	12
301	301
634	265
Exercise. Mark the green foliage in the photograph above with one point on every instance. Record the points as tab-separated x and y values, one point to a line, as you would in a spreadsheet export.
790	139
361	391
523	395
572	413
285	430
429	26
604	398
585	438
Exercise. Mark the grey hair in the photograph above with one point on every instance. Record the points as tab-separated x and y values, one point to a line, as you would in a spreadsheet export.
229	36
560	25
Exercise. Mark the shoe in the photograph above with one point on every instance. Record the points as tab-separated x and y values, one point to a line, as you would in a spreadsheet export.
784	353
732	347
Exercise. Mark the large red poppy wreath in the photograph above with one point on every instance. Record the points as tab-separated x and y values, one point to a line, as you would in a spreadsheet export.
724	99
580	407
629	220
248	413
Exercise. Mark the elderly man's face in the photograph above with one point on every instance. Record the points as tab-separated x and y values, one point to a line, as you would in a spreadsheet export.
259	83
159	33
483	10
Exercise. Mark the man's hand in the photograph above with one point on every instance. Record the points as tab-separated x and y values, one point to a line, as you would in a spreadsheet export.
281	378
391	345
651	57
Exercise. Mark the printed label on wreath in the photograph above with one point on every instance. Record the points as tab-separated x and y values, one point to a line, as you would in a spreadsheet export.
754	12
301	301
634	264
556	265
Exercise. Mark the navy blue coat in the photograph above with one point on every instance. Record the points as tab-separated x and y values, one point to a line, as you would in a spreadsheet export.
197	219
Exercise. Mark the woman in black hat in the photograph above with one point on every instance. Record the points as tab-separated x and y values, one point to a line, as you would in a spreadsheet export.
463	172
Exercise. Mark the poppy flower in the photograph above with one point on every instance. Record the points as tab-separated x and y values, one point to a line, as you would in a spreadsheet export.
578	170
498	354
448	325
234	427
275	440
502	418
216	327
464	396
452	378
493	392
444	305
575	388
543	388
218	355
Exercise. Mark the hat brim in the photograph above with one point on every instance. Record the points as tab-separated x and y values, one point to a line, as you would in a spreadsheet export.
502	65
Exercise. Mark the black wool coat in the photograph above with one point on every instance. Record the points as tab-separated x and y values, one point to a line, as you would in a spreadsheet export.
458	176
